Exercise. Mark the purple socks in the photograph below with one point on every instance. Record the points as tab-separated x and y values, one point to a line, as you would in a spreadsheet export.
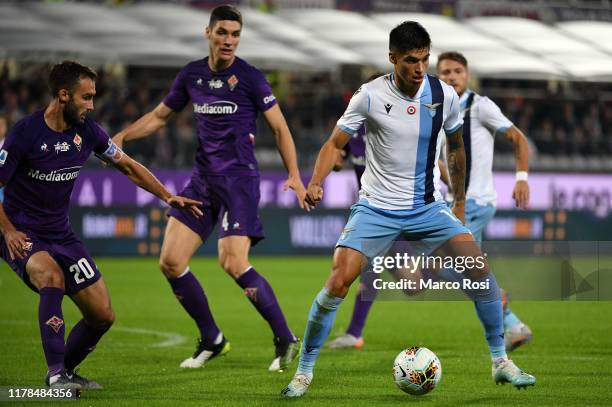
262	297
190	294
82	340
51	322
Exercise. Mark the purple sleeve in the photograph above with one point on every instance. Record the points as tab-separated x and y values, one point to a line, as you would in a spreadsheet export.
12	151
262	92
178	96
101	139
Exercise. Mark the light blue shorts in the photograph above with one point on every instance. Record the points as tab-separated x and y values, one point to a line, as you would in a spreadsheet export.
477	217
372	230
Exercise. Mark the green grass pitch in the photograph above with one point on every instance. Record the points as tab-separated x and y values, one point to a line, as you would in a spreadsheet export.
137	361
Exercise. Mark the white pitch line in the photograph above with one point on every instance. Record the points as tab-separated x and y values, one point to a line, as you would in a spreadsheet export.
170	338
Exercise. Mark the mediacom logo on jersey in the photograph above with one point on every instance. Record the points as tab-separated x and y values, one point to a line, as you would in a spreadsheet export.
55	175
219	107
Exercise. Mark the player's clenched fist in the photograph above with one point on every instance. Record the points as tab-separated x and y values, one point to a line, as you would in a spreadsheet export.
314	194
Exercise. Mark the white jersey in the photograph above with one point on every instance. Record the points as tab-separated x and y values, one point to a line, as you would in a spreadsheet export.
402	139
484	121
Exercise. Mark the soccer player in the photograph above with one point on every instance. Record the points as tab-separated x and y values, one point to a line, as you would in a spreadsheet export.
39	163
226	94
404	113
484	121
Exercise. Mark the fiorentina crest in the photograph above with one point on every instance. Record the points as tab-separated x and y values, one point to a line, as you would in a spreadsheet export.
55	323
251	292
77	141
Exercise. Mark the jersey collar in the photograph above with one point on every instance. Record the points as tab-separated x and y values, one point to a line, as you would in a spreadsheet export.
420	93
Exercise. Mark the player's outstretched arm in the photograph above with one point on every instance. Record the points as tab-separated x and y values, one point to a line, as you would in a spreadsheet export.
520	194
17	242
455	157
142	177
324	165
146	125
286	147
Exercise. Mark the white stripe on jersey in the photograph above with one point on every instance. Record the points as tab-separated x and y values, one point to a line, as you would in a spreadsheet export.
397	138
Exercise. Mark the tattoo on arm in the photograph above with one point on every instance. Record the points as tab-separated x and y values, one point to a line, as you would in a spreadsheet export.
456	163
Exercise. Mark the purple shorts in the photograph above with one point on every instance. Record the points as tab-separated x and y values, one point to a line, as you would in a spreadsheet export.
80	271
233	200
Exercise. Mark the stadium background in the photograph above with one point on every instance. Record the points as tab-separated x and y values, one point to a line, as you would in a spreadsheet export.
548	65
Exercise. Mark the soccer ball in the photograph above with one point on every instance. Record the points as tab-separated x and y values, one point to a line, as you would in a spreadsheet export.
417	370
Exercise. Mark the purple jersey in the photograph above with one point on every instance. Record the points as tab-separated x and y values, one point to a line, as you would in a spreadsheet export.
226	104
39	167
355	148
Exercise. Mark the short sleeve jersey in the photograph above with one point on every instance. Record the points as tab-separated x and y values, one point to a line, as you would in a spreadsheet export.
39	167
402	139
486	120
226	104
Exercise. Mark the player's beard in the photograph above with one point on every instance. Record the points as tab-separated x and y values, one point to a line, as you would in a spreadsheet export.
71	113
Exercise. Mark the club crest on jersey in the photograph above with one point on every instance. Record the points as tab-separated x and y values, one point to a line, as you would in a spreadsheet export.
232	82
215	83
61	147
55	323
411	110
432	108
77	140
3	156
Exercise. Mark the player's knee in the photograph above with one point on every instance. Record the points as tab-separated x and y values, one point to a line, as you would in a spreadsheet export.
232	265
170	267
46	278
337	285
103	319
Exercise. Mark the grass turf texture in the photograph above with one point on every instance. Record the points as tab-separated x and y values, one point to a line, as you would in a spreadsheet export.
571	355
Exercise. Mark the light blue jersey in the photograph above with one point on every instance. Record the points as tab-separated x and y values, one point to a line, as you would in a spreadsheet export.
400	193
402	139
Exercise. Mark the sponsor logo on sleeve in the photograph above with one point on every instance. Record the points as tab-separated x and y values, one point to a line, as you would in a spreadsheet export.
269	99
3	156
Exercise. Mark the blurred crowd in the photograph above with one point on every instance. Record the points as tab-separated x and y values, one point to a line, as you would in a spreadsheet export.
557	124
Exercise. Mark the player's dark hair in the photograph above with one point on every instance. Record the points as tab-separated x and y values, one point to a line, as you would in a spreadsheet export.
453	56
225	12
407	36
66	75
